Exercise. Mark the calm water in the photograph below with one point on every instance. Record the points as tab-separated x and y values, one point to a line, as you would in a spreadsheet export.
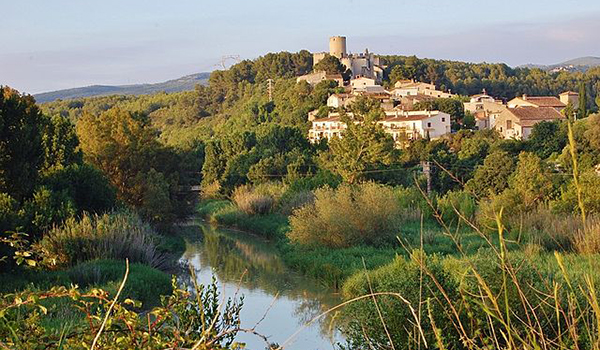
227	254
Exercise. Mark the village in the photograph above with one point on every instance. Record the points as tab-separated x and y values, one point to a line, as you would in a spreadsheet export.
404	121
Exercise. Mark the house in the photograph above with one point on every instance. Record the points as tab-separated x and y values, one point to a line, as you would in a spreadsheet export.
403	88
401	125
405	84
485	109
569	97
518	122
408	103
361	83
326	128
342	100
537	101
385	99
413	125
317	77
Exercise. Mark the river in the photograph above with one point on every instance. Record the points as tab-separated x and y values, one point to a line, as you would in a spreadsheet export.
227	255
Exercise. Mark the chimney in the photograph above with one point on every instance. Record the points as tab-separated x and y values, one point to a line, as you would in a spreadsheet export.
525	97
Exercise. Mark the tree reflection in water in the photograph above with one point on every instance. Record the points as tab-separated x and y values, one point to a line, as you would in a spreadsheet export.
229	255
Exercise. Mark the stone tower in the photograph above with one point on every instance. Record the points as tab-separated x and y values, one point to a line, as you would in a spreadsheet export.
337	46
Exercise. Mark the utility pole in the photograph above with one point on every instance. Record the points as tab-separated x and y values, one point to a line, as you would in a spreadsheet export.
426	165
270	89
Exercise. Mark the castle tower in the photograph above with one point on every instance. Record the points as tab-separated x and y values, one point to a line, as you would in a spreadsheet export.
337	46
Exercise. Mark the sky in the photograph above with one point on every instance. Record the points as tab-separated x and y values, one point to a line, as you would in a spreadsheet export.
58	44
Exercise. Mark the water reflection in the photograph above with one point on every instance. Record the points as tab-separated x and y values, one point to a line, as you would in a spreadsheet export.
229	255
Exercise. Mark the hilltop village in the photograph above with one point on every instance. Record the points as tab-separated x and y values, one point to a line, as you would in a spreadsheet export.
404	120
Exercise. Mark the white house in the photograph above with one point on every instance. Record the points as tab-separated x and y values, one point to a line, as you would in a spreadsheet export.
401	125
362	83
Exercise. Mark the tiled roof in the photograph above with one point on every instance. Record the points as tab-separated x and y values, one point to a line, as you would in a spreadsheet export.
544	101
527	116
569	93
327	119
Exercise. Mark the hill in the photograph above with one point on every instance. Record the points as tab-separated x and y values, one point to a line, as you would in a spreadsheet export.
580	64
185	83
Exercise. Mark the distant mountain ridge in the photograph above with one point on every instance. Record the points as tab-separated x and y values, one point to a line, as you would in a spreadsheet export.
185	83
580	64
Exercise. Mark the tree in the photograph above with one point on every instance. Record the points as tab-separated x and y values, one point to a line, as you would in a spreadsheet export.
582	100
364	146
492	177
332	65
547	138
125	148
530	181
61	145
21	149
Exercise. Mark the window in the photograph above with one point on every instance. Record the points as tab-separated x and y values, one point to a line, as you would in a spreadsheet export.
443	120
509	124
429	125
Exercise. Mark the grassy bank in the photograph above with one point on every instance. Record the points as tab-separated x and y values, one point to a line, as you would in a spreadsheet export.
332	266
144	283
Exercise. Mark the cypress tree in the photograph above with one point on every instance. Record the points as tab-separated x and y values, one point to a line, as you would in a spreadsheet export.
582	101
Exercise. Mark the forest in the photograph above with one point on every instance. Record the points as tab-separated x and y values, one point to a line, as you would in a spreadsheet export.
495	247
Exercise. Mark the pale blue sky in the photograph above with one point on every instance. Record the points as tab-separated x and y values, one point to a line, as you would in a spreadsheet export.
55	44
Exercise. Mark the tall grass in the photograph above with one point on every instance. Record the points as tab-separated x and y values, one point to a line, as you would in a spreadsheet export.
347	216
495	299
116	235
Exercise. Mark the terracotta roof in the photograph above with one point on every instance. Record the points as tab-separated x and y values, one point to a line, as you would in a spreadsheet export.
544	101
481	115
569	93
528	116
327	119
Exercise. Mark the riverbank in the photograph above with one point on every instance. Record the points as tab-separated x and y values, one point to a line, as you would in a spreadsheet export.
333	266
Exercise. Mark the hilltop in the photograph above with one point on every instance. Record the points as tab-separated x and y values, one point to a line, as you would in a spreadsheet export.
185	83
580	64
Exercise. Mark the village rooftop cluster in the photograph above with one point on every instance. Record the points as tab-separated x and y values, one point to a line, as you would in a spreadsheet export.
512	119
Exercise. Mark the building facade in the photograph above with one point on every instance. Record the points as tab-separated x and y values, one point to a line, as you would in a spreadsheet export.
401	125
517	122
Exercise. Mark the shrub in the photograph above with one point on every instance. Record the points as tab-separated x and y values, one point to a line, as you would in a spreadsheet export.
117	235
460	201
405	278
292	200
346	216
211	191
252	202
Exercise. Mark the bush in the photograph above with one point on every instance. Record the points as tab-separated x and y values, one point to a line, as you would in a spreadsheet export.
117	235
347	216
406	278
90	190
251	202
292	200
460	201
